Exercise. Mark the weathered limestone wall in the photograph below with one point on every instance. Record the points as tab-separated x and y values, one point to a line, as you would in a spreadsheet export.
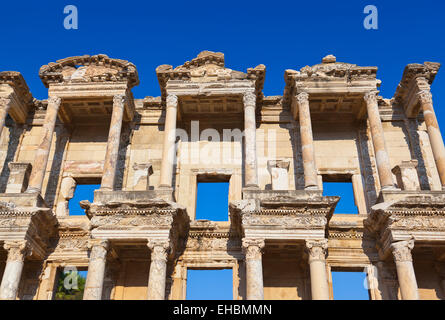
427	277
132	281
284	279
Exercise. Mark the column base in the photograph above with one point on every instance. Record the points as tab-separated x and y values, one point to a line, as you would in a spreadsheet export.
311	188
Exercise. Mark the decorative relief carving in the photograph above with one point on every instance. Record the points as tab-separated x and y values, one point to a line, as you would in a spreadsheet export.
425	97
172	100
159	249
17	250
303	221
249	99
4	102
371	97
54	101
119	100
253	248
316	249
99	248
303	97
402	250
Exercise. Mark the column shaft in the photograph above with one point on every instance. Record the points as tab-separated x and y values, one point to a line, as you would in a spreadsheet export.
378	140
5	105
42	153
317	264
405	269
250	156
436	140
114	137
158	269
307	142
254	268
168	152
13	270
96	270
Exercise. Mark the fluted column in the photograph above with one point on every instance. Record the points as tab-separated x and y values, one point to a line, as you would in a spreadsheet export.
307	142
42	153
250	163
158	269
426	102
96	269
378	140
17	251
316	250
114	137
253	250
5	105
405	269
168	152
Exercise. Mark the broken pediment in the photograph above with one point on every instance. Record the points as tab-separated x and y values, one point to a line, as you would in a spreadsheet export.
331	69
98	68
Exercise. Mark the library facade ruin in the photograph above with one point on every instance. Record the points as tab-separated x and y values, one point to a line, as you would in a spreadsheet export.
282	239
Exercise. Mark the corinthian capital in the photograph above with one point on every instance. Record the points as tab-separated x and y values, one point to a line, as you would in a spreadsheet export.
371	97
303	97
4	102
316	249
425	97
172	100
17	250
253	248
54	101
402	250
249	99
159	249
99	248
119	100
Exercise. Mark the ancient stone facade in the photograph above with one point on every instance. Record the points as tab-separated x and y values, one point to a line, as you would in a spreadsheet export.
282	239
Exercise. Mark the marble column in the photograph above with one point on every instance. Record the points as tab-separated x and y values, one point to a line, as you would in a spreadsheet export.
114	138
17	251
378	140
5	105
250	155
158	269
253	250
42	153
426	102
96	269
405	269
169	150
307	142
316	250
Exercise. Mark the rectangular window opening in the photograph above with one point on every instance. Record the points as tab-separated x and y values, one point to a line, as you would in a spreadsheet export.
341	186
84	191
209	284
350	285
212	199
70	283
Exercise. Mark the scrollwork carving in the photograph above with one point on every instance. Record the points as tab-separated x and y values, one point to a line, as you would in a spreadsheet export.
402	250
159	249
316	249
172	100
17	250
253	248
249	99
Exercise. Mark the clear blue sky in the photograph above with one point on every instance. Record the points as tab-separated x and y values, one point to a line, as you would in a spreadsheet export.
279	34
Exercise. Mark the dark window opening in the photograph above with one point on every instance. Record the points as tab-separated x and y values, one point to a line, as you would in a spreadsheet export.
70	283
348	285
341	186
212	198
84	191
209	284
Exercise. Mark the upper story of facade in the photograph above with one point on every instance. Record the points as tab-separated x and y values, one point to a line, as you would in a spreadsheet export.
212	123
